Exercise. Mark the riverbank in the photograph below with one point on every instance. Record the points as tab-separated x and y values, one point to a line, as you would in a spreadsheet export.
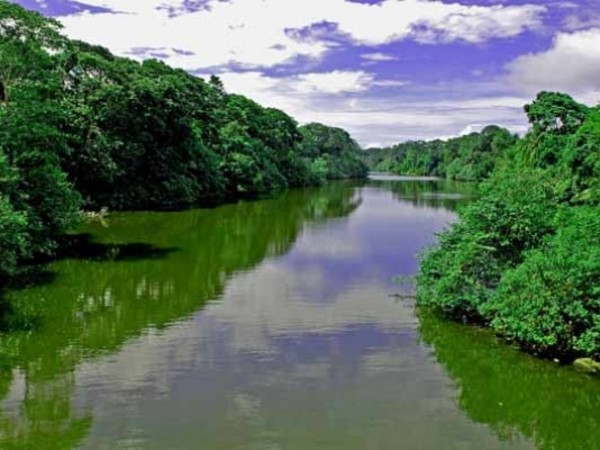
83	129
524	257
173	328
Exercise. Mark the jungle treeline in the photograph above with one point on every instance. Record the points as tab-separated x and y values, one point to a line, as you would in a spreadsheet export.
83	129
524	258
466	158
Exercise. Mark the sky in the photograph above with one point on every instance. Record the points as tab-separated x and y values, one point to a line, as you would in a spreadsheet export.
387	71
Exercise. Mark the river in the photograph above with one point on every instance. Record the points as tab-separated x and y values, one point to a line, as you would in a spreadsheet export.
271	325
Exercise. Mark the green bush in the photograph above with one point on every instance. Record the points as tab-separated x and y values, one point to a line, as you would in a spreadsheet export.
551	302
512	215
580	162
13	239
524	258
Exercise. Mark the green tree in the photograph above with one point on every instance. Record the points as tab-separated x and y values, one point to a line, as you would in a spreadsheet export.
82	128
336	147
523	258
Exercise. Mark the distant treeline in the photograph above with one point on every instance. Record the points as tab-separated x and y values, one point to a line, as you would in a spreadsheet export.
83	129
524	258
466	158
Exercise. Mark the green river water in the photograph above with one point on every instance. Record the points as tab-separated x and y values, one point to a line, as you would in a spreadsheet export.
270	325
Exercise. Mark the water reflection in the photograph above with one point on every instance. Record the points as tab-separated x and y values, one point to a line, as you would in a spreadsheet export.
40	415
259	325
145	271
426	192
307	350
514	394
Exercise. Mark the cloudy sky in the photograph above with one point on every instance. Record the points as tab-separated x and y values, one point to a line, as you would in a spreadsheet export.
385	70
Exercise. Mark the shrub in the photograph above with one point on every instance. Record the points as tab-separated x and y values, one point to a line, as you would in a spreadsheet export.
514	214
551	302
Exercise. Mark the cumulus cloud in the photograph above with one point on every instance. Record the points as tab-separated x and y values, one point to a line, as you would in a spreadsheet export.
333	82
264	33
571	64
255	83
384	119
246	42
371	124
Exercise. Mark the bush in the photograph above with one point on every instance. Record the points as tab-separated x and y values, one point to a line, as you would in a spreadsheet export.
13	239
525	257
514	213
551	302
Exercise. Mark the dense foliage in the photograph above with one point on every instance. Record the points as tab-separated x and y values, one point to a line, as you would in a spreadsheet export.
525	257
467	158
334	149
82	128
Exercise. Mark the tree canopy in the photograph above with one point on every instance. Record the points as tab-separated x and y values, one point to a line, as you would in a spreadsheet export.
466	158
524	258
81	128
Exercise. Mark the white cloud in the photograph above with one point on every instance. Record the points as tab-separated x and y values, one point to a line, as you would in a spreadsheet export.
476	24
333	82
388	118
574	23
257	33
252	35
472	128
256	84
567	5
391	83
572	64
378	57
291	91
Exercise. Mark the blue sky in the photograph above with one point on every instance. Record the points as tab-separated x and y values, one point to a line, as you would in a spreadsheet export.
385	70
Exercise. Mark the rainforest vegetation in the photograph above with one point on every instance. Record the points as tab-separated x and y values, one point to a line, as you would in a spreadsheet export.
82	129
524	258
467	158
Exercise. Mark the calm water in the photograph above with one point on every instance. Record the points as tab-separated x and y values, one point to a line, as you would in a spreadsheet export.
269	325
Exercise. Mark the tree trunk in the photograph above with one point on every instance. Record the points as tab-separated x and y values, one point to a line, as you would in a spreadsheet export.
3	93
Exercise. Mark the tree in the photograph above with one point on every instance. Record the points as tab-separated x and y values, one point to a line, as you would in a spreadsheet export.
466	158
554	112
336	147
26	38
82	128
